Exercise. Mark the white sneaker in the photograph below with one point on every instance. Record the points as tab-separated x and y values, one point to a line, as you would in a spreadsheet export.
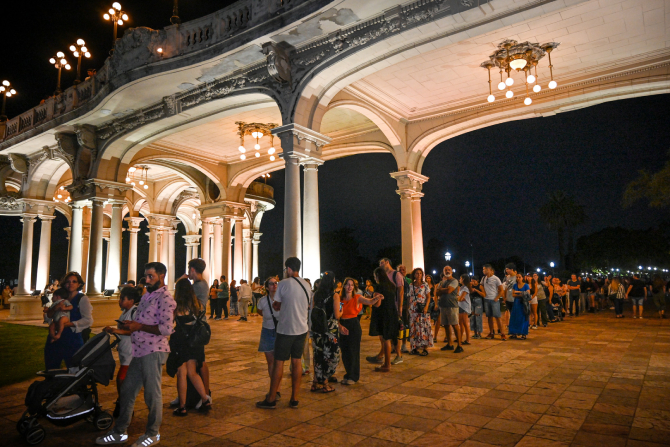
396	360
199	404
146	441
112	438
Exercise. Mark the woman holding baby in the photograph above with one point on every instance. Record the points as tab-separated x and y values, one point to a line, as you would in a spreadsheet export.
69	323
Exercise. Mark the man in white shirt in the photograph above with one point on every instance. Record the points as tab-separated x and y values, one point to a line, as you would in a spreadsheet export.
494	291
245	299
293	298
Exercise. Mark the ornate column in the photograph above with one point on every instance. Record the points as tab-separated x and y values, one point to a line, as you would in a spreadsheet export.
205	247
43	261
105	241
153	243
133	229
311	249
94	282
300	145
216	250
165	248
191	242
409	189
247	256
113	278
86	239
238	263
26	257
226	241
256	242
171	259
76	229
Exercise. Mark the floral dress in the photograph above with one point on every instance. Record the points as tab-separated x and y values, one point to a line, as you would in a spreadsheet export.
326	346
420	332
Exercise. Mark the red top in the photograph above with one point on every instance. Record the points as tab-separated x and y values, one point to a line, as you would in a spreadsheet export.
351	308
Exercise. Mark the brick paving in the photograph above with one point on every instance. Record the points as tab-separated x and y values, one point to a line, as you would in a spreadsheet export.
592	380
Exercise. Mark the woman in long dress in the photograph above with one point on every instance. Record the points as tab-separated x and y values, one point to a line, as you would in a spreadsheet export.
518	321
420	331
325	346
384	321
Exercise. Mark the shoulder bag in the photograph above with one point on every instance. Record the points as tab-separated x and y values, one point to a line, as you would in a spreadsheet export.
199	333
274	319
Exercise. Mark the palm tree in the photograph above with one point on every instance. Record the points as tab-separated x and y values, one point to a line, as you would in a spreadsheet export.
562	214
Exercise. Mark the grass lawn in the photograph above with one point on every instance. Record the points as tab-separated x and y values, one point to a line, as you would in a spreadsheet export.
21	352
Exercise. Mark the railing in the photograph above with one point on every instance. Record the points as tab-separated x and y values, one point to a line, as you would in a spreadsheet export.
259	189
174	40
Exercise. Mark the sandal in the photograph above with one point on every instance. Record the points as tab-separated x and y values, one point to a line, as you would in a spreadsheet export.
327	389
413	352
180	411
523	337
423	353
316	387
206	406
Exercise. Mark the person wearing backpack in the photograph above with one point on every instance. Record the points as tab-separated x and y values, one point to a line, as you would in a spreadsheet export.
269	328
293	299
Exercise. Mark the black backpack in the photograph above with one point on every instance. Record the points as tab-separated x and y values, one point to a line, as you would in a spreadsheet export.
319	317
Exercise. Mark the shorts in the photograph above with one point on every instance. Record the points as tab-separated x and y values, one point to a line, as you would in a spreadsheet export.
462	311
289	346
449	316
268	337
637	300
533	301
492	308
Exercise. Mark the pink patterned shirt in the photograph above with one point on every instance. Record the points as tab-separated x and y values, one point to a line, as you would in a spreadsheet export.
155	309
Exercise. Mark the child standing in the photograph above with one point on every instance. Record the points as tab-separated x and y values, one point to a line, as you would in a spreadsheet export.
128	299
60	318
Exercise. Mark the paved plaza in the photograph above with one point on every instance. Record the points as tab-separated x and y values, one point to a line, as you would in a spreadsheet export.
591	380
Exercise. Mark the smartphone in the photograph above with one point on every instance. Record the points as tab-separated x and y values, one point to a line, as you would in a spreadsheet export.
121	321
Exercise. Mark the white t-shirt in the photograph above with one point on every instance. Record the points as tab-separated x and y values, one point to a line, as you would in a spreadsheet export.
509	284
491	286
267	315
465	305
125	346
245	292
294	306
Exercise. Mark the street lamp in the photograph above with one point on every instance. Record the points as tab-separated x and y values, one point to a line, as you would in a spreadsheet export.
551	264
447	256
175	20
59	62
79	50
538	270
117	17
6	91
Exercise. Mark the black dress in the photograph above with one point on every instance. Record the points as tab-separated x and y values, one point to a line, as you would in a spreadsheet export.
180	352
384	319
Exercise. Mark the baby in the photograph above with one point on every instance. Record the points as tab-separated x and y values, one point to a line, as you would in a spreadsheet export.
60	318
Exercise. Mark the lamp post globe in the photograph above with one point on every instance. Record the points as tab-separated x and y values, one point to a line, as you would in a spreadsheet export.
552	265
447	256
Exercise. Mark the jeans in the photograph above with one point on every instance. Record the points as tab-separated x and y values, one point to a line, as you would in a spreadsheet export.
618	306
476	320
143	372
350	346
542	311
223	305
550	309
233	307
574	305
584	304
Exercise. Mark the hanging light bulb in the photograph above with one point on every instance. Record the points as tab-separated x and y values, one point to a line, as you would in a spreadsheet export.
60	196
132	169
257	154
491	98
553	85
127	179
271	151
146	186
141	182
243	157
257	146
528	101
509	94
530	79
132	183
272	158
62	188
502	85
509	81
242	149
537	88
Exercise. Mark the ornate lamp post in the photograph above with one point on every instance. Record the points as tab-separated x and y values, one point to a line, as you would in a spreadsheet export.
117	16
447	256
175	20
6	91
59	62
79	50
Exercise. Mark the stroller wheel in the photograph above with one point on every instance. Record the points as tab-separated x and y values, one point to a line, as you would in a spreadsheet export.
103	420
24	424
35	434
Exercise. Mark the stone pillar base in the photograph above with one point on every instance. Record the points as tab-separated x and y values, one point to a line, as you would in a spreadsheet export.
25	307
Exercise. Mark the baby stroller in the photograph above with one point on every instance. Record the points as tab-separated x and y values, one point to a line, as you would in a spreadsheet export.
67	396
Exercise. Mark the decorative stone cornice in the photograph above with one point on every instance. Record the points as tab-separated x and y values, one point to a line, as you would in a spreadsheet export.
89	188
181	198
223	209
410	183
9	201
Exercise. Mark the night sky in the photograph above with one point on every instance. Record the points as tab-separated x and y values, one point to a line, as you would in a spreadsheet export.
485	187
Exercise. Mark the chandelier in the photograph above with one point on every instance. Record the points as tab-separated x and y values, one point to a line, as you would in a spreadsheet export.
138	172
519	56
62	195
256	131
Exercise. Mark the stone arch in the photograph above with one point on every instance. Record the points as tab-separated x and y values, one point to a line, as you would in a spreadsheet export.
367	111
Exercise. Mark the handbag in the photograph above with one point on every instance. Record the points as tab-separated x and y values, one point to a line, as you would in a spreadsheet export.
199	334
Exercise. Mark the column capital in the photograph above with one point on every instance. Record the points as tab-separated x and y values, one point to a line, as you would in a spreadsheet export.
307	138
90	188
134	230
133	222
223	209
257	238
311	164
191	238
410	183
45	218
28	218
172	231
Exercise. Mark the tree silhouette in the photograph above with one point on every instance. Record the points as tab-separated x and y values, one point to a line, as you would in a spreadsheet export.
653	187
562	214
